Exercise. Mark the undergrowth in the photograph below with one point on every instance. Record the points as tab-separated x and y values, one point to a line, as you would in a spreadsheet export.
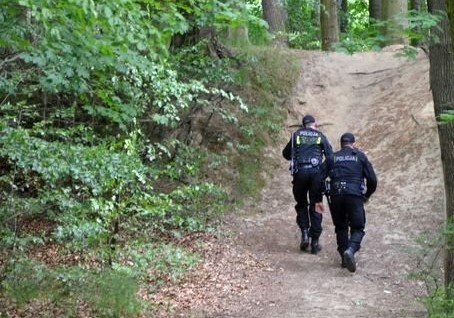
117	205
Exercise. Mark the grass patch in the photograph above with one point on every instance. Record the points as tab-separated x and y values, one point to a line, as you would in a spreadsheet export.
70	290
265	82
73	291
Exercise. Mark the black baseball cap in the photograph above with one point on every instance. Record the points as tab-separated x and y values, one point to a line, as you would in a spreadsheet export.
348	137
308	119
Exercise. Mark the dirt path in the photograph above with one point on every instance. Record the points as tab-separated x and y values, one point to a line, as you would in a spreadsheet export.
386	102
260	272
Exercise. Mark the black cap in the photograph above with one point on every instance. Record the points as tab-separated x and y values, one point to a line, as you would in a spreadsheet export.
347	138
308	119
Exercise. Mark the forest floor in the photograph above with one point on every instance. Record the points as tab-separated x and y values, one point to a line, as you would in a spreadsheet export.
258	271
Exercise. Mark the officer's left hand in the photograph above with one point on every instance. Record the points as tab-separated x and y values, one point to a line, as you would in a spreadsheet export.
319	207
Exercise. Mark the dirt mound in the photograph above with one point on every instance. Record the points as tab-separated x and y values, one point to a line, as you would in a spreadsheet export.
386	102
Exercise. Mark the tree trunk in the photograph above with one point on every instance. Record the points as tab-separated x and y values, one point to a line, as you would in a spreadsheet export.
415	5
329	24
316	13
450	10
390	10
449	159
442	84
276	17
375	9
343	15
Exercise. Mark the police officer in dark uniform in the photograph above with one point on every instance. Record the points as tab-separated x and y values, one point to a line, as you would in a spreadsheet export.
306	149
347	170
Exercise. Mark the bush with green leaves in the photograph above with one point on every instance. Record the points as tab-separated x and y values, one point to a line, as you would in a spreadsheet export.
103	61
89	102
110	143
257	27
91	191
366	35
440	303
83	86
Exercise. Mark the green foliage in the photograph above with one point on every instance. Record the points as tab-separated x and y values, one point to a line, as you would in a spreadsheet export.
303	29
79	80
104	58
440	301
358	16
154	262
440	298
106	137
78	183
257	29
447	116
87	90
87	190
440	304
420	24
363	35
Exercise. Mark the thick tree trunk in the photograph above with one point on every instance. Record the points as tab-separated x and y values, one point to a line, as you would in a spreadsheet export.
390	10
276	17
447	144
442	83
375	9
329	24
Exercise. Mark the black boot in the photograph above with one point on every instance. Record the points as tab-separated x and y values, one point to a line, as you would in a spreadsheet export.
304	240
315	246
343	265
349	259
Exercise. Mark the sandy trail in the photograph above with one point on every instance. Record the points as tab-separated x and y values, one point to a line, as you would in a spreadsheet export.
259	271
386	102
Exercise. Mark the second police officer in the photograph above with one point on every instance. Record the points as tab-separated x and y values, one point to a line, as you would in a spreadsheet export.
352	182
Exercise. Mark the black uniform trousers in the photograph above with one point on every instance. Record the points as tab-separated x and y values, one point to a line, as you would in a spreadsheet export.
307	182
347	212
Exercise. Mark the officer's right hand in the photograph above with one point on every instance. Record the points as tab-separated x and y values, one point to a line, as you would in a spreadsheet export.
365	199
319	207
